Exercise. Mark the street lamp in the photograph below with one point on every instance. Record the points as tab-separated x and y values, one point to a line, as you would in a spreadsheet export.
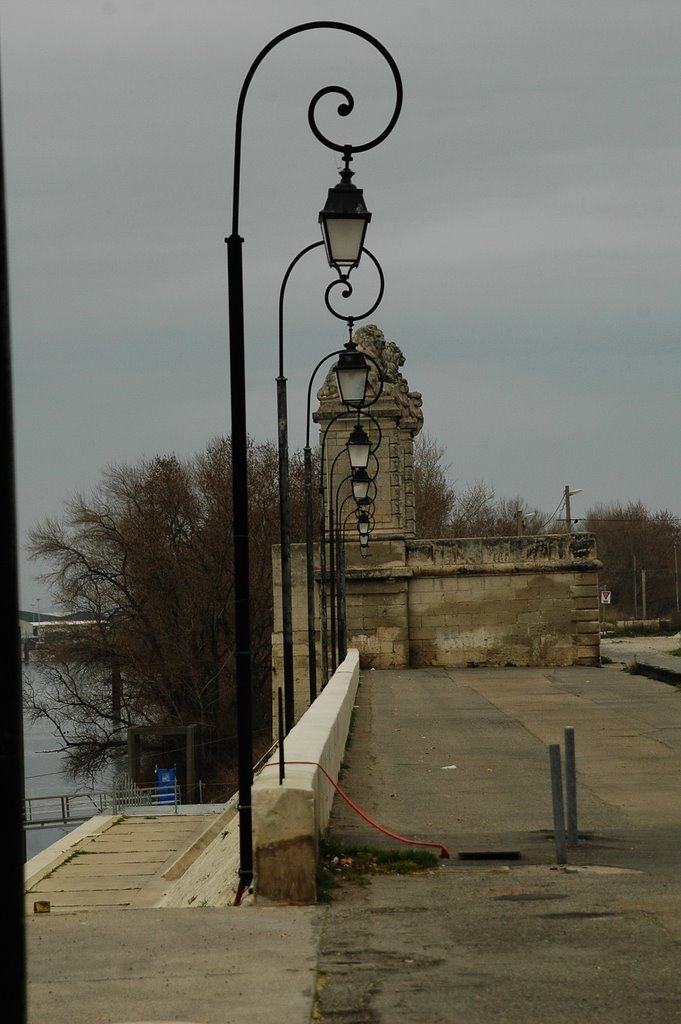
239	436
522	519
363	523
360	481
284	507
352	376
359	447
346	378
352	379
344	220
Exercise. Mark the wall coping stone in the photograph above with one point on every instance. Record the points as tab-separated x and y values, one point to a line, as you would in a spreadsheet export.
504	569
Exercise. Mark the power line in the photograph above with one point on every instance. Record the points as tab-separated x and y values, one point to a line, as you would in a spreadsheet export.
649	522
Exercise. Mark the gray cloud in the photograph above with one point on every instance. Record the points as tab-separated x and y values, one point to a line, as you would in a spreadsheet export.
526	211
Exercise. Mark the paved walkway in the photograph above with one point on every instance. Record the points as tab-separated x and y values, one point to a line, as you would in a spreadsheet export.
459	757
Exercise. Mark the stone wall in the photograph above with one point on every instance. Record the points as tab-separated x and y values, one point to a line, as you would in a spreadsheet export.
476	601
504	601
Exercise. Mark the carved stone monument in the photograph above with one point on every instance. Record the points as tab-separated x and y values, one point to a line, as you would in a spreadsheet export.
395	419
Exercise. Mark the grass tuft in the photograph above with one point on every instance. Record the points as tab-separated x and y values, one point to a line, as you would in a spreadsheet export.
339	864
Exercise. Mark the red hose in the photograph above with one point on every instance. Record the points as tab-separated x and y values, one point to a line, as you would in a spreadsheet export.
444	852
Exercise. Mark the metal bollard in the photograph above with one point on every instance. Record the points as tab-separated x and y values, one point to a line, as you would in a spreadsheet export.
280	712
558	809
571	786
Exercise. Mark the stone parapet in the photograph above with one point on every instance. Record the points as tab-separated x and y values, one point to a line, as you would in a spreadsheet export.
543	552
504	601
470	601
289	817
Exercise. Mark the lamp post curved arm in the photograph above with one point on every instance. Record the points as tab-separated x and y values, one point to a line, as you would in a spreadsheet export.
282	292
343	109
239	436
343	280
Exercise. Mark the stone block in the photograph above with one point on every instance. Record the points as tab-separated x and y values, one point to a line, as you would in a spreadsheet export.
590	640
286	846
585	615
586	627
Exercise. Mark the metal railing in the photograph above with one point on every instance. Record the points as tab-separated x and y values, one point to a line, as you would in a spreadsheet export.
127	793
75	808
43	811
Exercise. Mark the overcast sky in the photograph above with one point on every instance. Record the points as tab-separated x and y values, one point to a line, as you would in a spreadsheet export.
526	213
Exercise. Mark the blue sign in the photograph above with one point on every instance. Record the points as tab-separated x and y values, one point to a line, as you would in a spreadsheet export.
166	779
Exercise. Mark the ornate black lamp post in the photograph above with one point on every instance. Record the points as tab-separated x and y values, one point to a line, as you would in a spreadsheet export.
284	508
358	451
352	375
238	404
361	512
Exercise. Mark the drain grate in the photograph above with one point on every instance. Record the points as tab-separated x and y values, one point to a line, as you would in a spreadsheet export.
489	855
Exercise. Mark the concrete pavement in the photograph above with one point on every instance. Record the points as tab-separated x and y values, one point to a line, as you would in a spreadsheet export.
459	757
462	757
142	927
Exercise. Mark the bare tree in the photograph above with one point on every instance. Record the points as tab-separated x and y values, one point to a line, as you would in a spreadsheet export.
147	559
443	510
433	494
636	547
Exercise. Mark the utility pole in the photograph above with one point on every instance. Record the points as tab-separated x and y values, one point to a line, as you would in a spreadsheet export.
568	517
676	574
635	590
644	600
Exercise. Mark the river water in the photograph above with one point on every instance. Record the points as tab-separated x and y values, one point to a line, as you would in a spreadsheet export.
44	774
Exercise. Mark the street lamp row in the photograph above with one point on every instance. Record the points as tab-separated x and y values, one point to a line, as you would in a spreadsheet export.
344	220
